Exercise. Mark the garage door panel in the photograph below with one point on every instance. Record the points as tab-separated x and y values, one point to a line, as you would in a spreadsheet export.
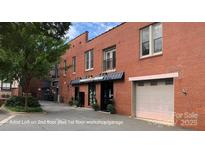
156	116
155	101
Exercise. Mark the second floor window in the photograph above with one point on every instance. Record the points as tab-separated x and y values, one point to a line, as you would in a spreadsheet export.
74	64
151	40
89	60
109	60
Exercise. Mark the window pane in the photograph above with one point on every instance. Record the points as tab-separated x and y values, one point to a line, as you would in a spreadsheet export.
109	59
91	59
6	86
113	60
87	60
157	31
74	64
108	55
145	35
145	48
145	41
158	45
157	37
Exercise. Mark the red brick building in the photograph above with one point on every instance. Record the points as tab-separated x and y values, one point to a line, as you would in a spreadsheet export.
152	71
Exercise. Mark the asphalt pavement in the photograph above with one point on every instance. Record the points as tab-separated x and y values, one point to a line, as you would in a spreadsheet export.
61	117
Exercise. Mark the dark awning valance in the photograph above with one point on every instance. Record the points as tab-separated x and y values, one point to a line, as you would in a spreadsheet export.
100	78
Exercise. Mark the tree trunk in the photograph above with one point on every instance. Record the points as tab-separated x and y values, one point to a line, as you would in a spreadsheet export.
20	90
27	90
26	102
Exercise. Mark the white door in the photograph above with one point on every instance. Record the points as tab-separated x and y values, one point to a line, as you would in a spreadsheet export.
155	100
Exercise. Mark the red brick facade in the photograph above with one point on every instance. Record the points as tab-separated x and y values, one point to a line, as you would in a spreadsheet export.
183	52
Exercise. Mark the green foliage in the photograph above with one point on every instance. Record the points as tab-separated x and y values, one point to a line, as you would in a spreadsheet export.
70	102
22	109
29	50
111	108
20	101
95	105
76	103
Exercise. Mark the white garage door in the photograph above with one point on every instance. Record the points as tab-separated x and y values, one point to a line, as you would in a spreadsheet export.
155	100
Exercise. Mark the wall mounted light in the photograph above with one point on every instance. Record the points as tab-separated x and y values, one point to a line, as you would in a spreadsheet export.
184	91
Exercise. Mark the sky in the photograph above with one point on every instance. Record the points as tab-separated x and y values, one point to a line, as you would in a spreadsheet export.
94	28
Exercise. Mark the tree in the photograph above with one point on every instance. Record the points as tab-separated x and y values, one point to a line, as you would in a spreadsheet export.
29	50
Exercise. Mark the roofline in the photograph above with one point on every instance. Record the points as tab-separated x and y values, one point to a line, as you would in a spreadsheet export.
86	32
107	31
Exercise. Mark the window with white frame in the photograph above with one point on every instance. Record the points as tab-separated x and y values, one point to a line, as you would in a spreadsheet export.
6	86
151	40
89	60
109	61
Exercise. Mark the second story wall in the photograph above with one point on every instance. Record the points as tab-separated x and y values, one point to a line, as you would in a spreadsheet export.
182	48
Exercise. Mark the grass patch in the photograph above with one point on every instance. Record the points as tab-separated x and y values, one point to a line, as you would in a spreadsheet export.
21	109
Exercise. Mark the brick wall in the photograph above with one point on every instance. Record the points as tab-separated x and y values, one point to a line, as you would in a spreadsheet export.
183	52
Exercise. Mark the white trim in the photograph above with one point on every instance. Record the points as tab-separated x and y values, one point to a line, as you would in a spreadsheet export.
90	69
6	119
86	80
157	76
109	71
153	55
151	44
89	60
157	121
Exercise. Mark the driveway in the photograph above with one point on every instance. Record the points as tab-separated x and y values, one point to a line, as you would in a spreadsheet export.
3	115
65	118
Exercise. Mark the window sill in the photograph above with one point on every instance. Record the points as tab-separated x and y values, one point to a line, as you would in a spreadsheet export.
74	73
109	71
153	55
89	69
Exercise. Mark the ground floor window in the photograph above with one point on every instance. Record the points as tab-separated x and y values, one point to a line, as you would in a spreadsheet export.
6	86
91	93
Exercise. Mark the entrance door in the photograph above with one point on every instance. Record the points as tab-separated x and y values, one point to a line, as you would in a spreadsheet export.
81	99
155	100
106	94
91	93
76	93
